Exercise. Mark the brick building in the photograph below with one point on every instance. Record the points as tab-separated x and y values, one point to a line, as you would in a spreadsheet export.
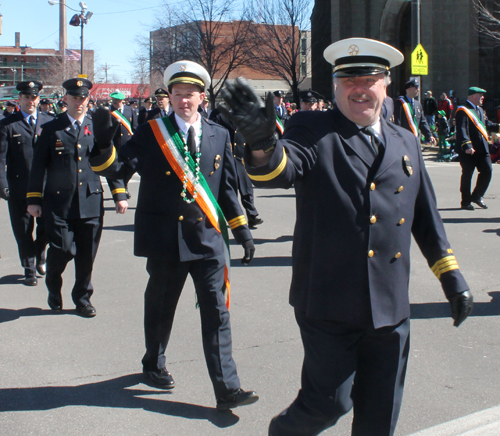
18	63
171	44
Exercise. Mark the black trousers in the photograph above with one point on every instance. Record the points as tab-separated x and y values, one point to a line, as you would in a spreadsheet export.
246	190
469	163
70	239
347	366
160	301
30	250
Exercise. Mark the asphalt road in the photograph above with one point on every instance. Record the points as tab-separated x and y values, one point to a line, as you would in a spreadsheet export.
65	375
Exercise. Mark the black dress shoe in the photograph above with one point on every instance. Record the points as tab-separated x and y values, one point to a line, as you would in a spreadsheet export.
87	311
252	222
481	204
467	206
30	281
41	267
55	303
161	378
238	398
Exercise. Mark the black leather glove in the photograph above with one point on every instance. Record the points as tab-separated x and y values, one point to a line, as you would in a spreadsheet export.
254	120
249	251
4	193
461	306
105	127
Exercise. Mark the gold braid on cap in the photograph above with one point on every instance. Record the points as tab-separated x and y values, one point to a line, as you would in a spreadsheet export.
181	79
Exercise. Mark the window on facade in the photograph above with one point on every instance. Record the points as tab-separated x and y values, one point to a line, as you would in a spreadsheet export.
15	59
38	59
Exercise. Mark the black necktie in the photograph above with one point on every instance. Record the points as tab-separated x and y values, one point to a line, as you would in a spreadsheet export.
32	122
191	142
376	143
77	127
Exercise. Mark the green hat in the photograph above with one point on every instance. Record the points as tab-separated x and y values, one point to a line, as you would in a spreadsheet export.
476	90
117	95
442	113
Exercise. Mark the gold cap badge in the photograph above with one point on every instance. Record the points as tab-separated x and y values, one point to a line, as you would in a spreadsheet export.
79	83
31	85
353	50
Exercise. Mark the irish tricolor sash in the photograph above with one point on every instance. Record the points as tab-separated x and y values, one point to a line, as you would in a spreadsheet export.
173	149
409	114
123	120
476	120
279	125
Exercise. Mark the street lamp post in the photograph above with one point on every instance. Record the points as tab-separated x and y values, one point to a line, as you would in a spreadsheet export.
14	71
77	20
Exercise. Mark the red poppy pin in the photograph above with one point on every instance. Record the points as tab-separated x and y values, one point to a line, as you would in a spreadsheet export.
87	131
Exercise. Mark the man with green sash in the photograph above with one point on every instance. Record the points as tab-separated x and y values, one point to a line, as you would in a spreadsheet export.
474	152
408	113
188	190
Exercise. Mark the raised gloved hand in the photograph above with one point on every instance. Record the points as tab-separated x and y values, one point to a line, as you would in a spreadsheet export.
4	193
105	127
255	120
461	306
249	251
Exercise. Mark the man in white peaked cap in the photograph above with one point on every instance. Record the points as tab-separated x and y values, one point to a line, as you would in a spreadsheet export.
362	191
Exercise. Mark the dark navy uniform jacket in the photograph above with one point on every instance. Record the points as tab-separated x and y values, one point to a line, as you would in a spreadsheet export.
165	225
468	135
72	190
355	219
17	142
401	119
122	134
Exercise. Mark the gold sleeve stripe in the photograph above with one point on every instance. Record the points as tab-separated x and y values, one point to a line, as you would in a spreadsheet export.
119	191
273	174
443	265
34	194
238	221
107	163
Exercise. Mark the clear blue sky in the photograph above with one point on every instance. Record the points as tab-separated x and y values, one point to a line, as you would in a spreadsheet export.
111	32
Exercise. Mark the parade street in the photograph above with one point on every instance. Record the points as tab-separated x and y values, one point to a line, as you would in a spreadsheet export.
67	375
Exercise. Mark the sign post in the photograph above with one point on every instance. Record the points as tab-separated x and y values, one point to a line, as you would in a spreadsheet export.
419	61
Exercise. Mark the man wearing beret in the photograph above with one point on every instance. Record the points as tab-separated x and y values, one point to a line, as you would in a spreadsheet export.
187	192
68	194
362	192
408	113
127	118
473	148
18	134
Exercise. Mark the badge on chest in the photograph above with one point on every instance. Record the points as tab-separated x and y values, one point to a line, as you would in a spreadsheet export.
407	166
59	146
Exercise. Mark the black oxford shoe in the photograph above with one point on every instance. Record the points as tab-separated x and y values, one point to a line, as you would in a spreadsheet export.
55	303
236	399
41	267
30	281
161	378
481	204
252	222
468	206
87	311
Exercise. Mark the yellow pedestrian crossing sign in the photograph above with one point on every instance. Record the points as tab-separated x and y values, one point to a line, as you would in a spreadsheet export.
419	61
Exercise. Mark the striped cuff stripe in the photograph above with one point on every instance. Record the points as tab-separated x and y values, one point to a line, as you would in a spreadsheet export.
273	174
34	195
238	221
107	163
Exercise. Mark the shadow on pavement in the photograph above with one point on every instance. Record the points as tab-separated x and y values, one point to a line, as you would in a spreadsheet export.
442	310
259	241
471	220
116	392
7	315
12	279
123	228
264	261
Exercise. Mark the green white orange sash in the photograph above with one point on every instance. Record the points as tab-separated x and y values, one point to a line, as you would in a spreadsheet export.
173	149
476	120
409	114
279	125
123	120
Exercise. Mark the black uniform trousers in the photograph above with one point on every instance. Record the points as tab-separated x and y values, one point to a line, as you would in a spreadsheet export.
76	239
30	251
469	163
162	294
345	366
246	190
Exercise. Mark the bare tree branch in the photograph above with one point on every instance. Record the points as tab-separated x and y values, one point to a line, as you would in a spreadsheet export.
488	25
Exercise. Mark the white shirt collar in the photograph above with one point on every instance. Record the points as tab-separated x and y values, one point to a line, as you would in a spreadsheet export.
377	127
27	116
184	127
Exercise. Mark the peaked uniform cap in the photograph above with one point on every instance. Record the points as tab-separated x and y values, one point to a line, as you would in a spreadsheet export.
31	87
78	87
361	57
186	72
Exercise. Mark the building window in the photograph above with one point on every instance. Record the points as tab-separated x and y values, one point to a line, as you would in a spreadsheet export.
38	59
15	59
